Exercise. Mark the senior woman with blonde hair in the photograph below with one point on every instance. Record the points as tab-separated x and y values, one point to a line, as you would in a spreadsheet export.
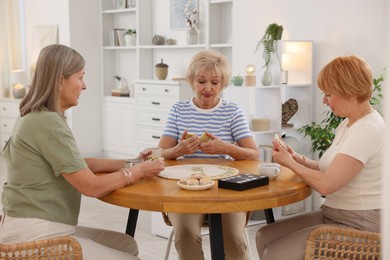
228	130
348	173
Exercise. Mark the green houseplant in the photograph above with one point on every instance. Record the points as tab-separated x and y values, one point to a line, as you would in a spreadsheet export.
272	34
322	134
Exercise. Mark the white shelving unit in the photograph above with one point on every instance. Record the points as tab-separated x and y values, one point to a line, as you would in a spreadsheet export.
137	63
266	102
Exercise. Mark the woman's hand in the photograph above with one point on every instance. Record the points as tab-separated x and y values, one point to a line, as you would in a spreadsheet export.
187	146
143	155
281	155
215	146
148	168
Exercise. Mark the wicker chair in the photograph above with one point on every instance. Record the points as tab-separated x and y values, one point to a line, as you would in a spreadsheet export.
64	247
170	238
332	242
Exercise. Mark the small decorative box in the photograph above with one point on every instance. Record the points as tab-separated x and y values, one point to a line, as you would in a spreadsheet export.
243	182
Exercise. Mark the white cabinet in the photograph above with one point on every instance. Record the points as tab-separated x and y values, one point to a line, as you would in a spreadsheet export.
138	62
154	98
119	129
9	111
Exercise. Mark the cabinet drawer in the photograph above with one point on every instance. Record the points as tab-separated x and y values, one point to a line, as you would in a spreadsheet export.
156	102
149	135
155	89
152	118
6	124
9	109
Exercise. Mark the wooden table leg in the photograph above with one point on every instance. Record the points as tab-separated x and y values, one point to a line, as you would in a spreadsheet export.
216	237
269	216
132	222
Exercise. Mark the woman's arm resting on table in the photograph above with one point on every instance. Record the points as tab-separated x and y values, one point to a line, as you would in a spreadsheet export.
88	184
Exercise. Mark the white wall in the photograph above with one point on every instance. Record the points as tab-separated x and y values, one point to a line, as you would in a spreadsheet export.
78	27
386	175
336	28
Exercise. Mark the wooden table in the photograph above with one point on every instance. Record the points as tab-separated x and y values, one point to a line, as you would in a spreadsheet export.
163	195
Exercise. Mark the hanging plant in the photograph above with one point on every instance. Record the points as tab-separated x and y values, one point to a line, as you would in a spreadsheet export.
272	34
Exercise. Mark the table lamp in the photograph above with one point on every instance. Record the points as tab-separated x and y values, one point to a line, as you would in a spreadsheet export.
18	80
286	63
250	77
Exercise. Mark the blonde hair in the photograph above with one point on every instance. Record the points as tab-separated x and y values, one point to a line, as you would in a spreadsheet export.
53	62
347	76
209	61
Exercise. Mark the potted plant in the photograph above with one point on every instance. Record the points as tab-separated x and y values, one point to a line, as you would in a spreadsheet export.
322	134
273	33
130	37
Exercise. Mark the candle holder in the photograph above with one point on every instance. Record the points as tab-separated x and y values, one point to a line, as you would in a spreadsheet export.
250	77
18	79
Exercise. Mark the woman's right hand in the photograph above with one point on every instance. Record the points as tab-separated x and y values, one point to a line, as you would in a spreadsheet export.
281	155
189	145
148	168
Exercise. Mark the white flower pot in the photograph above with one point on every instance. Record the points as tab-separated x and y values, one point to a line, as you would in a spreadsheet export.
130	39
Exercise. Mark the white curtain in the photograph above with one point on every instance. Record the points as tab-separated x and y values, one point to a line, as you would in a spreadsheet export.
11	41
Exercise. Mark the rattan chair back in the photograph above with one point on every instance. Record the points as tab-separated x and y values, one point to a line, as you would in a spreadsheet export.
59	248
332	242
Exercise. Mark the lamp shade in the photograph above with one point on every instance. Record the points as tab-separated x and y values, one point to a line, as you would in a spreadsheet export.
18	76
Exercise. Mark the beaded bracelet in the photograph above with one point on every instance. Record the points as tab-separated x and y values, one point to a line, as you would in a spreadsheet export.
129	175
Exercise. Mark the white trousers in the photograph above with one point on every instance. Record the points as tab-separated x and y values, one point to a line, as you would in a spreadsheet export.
96	244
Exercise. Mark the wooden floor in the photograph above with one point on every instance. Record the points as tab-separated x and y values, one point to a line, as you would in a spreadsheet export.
95	213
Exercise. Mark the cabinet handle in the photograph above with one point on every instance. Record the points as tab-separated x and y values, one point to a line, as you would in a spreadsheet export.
166	90
5	125
155	119
155	137
144	89
4	108
155	103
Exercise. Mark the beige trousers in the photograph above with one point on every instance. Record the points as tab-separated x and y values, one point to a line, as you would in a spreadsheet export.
286	239
188	239
96	244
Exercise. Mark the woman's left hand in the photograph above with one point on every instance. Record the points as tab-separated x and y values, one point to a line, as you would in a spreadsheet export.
215	146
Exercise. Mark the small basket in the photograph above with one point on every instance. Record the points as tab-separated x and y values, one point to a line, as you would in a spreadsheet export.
260	124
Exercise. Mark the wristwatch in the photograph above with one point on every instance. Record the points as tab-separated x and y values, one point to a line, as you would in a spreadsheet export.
131	162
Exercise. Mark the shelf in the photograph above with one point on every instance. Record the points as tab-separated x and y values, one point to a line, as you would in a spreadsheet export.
221	45
183	46
118	11
113	48
220	1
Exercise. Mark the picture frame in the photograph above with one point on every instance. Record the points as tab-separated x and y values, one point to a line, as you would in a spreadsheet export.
177	16
120	4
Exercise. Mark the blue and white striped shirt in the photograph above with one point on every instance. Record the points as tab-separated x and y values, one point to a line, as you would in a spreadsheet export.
226	121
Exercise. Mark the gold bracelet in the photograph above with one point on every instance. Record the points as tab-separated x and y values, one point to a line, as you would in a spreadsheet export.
129	176
303	159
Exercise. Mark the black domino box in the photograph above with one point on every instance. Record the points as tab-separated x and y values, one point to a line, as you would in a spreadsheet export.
243	182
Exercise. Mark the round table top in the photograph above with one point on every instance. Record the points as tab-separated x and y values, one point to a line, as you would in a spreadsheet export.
164	195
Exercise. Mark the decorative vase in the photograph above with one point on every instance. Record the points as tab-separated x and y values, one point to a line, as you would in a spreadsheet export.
192	36
266	79
161	70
